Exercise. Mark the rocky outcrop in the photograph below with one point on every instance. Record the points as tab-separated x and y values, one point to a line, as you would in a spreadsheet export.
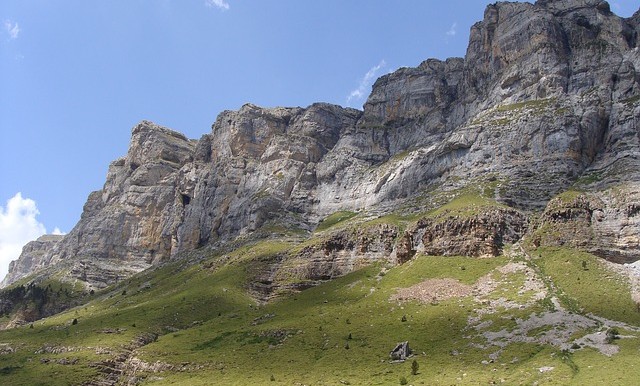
22	304
401	352
605	223
260	167
330	256
123	364
343	251
546	96
481	234
32	258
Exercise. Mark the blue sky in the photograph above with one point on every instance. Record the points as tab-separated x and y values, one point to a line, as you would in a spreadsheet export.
76	75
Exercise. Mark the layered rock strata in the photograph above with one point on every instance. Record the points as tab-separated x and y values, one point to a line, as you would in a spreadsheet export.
548	94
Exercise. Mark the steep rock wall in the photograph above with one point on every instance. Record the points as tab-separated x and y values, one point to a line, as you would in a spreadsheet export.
547	95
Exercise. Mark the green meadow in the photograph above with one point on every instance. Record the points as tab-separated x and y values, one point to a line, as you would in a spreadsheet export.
206	328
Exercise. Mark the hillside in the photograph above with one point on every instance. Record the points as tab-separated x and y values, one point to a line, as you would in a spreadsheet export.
521	318
484	209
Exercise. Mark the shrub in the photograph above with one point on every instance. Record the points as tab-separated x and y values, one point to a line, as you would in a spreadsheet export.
403	381
404	318
612	334
414	367
74	322
273	379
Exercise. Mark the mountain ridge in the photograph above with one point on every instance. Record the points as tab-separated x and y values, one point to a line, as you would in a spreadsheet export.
482	211
546	97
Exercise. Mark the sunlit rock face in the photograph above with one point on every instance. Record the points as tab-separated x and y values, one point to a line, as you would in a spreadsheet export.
546	99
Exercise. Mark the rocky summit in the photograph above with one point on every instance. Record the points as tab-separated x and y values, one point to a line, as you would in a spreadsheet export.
533	135
478	222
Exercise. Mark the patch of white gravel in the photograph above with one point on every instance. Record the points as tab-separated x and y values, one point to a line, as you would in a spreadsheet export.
551	327
556	327
633	271
488	283
561	325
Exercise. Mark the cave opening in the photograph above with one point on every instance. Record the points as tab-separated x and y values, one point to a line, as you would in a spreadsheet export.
185	199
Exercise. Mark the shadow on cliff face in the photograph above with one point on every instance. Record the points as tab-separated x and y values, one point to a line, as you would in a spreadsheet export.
23	304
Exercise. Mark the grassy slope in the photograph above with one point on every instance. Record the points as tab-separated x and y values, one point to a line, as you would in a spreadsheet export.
208	325
212	332
319	322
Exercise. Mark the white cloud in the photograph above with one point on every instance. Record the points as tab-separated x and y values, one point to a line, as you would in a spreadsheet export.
18	226
365	83
57	231
12	28
452	30
218	4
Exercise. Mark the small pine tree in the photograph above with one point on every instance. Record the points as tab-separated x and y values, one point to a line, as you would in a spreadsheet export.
346	346
414	367
404	318
273	379
74	322
349	337
403	380
612	334
584	265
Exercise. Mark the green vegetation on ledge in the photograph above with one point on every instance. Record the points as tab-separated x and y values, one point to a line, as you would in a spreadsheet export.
334	219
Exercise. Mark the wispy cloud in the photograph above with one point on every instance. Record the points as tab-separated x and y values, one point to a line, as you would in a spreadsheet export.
365	83
12	28
221	4
452	31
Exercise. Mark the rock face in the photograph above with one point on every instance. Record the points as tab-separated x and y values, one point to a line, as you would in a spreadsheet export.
605	223
33	257
481	234
547	96
128	225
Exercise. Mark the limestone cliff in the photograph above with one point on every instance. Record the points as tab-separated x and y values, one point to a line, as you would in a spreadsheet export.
34	257
546	97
